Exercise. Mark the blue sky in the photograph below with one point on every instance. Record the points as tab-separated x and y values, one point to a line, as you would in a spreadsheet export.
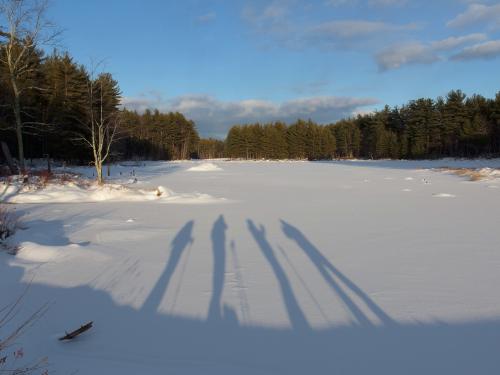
223	62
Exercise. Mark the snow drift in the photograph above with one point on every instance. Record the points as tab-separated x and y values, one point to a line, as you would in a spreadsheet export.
74	193
205	167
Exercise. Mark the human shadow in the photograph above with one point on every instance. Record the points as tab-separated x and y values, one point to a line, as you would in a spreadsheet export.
219	258
179	243
295	313
130	341
328	270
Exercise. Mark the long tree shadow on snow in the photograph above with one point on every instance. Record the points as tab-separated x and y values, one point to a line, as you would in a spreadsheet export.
328	271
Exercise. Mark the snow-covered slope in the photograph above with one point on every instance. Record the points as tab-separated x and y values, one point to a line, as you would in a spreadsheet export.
320	268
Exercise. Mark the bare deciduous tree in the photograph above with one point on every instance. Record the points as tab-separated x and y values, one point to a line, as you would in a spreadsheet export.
101	126
26	30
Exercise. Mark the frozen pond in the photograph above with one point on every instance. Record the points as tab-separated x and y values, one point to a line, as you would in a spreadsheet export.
269	268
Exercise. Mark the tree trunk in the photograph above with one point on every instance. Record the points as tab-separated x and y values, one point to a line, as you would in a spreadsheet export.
8	158
19	125
49	169
98	168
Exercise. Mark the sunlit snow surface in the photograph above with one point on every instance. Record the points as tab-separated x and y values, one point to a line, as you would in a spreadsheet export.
355	267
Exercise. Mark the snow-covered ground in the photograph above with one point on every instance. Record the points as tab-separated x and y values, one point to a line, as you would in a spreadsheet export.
350	267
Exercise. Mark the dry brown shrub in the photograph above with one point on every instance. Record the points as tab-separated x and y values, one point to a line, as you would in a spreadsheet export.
8	226
476	176
64	178
8	223
44	176
471	174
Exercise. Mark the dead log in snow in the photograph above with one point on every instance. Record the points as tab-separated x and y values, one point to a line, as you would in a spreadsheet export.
72	335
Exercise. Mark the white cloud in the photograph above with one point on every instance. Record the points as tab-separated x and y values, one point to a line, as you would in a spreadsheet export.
487	50
213	117
273	19
405	54
277	19
396	56
478	14
457	41
352	29
275	11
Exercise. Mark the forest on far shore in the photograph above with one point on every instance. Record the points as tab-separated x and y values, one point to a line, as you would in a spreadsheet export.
454	126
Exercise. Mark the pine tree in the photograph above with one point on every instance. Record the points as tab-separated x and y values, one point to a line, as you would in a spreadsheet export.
454	121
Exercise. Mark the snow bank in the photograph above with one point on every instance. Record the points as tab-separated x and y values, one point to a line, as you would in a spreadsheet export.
67	193
205	167
73	193
31	252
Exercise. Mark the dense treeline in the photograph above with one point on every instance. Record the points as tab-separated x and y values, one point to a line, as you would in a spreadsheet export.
51	105
155	135
454	126
277	141
211	149
54	111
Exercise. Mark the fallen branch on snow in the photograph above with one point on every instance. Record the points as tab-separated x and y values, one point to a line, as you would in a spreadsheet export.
73	334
